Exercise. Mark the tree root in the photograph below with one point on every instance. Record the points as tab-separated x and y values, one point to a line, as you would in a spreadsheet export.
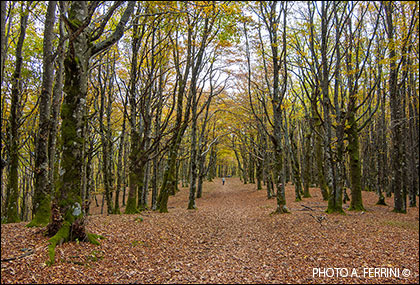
63	235
281	210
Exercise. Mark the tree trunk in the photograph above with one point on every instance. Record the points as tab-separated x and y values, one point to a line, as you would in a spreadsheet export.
2	60
356	202
80	50
306	168
41	200
12	192
120	181
396	116
335	193
55	114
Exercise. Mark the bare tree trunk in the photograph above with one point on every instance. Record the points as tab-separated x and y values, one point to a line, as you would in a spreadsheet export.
193	153
55	112
335	195
307	163
396	117
41	201
12	192
120	181
2	60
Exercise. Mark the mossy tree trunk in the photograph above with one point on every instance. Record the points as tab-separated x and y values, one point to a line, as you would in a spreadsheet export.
41	201
12	191
80	50
356	202
396	116
131	206
3	42
55	111
212	163
168	177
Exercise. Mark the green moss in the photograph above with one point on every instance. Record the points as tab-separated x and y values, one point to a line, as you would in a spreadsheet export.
96	255
403	224
281	210
335	210
306	194
358	207
399	211
61	236
131	207
13	189
42	216
191	206
72	18
138	219
93	238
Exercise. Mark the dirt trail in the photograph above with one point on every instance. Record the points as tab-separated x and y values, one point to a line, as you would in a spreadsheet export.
230	238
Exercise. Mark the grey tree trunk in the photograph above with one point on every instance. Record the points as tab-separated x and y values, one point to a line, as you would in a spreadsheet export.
396	116
55	112
41	201
120	181
105	90
193	159
12	190
2	60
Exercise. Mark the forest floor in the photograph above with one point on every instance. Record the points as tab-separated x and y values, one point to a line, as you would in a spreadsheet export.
230	238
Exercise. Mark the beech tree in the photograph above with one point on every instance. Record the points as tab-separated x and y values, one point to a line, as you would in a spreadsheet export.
81	48
42	195
12	190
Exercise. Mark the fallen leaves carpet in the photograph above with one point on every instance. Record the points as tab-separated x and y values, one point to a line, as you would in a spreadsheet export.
230	238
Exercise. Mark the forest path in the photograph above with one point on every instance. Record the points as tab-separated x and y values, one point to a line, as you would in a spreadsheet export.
230	238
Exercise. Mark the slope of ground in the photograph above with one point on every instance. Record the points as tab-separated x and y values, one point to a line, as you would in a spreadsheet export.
230	238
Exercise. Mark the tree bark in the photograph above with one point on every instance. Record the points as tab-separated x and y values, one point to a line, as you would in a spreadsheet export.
396	116
80	50
12	191
41	201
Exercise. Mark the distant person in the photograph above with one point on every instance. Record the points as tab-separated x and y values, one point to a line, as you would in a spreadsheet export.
223	181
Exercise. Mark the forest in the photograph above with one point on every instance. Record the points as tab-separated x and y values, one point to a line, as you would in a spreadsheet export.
209	141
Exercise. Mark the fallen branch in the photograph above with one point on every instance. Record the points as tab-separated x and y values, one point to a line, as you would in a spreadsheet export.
319	219
306	208
28	252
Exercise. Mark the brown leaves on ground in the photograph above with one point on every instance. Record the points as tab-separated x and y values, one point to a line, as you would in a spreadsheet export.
230	238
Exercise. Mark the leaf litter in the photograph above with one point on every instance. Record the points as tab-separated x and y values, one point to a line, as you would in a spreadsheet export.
231	237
